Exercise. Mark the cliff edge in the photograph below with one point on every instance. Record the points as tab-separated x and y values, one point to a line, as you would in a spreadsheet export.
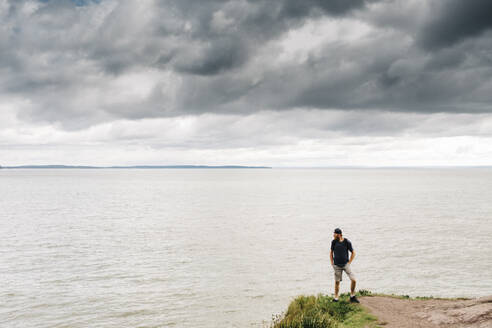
394	311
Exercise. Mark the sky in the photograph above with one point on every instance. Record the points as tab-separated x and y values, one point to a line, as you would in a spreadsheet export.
286	83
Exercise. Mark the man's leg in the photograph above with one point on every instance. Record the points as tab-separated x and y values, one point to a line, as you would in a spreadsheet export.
338	277
351	275
352	287
337	289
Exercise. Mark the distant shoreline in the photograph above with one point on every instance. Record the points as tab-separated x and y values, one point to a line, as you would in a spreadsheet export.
135	167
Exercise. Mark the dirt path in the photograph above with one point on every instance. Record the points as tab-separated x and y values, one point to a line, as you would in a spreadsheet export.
433	313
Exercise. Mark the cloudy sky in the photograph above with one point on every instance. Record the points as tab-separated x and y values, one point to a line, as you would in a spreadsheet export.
253	82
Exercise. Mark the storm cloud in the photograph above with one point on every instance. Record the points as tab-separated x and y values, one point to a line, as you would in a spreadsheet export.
454	21
364	67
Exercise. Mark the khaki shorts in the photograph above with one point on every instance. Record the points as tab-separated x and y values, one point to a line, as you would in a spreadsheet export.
338	272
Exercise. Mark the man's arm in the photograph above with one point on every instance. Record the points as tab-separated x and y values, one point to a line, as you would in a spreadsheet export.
331	257
352	255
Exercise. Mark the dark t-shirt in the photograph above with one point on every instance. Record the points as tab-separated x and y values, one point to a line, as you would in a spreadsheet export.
340	251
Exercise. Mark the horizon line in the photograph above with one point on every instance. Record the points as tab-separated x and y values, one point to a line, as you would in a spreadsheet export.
200	166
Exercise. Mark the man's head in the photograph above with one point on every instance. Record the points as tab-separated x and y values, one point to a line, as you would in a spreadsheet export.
337	234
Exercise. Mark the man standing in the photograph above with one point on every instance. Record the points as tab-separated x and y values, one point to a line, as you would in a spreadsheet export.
341	262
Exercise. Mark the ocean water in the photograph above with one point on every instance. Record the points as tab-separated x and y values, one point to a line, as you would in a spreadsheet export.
232	247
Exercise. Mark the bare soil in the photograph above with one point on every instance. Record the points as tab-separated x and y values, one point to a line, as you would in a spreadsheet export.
432	313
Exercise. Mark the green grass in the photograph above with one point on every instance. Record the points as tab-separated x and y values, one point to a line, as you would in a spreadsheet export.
321	312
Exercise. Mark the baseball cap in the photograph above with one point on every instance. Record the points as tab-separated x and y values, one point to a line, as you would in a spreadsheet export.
338	230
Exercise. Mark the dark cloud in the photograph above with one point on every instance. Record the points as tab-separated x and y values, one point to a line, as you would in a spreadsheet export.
214	58
225	33
392	76
80	63
454	21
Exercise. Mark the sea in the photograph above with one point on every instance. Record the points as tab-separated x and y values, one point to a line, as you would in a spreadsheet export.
231	247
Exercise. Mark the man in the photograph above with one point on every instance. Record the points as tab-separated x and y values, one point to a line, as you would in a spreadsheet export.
341	262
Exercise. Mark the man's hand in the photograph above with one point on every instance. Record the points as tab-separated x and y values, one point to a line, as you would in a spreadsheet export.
351	257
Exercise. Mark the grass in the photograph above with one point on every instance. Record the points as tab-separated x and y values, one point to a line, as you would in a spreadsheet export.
321	312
